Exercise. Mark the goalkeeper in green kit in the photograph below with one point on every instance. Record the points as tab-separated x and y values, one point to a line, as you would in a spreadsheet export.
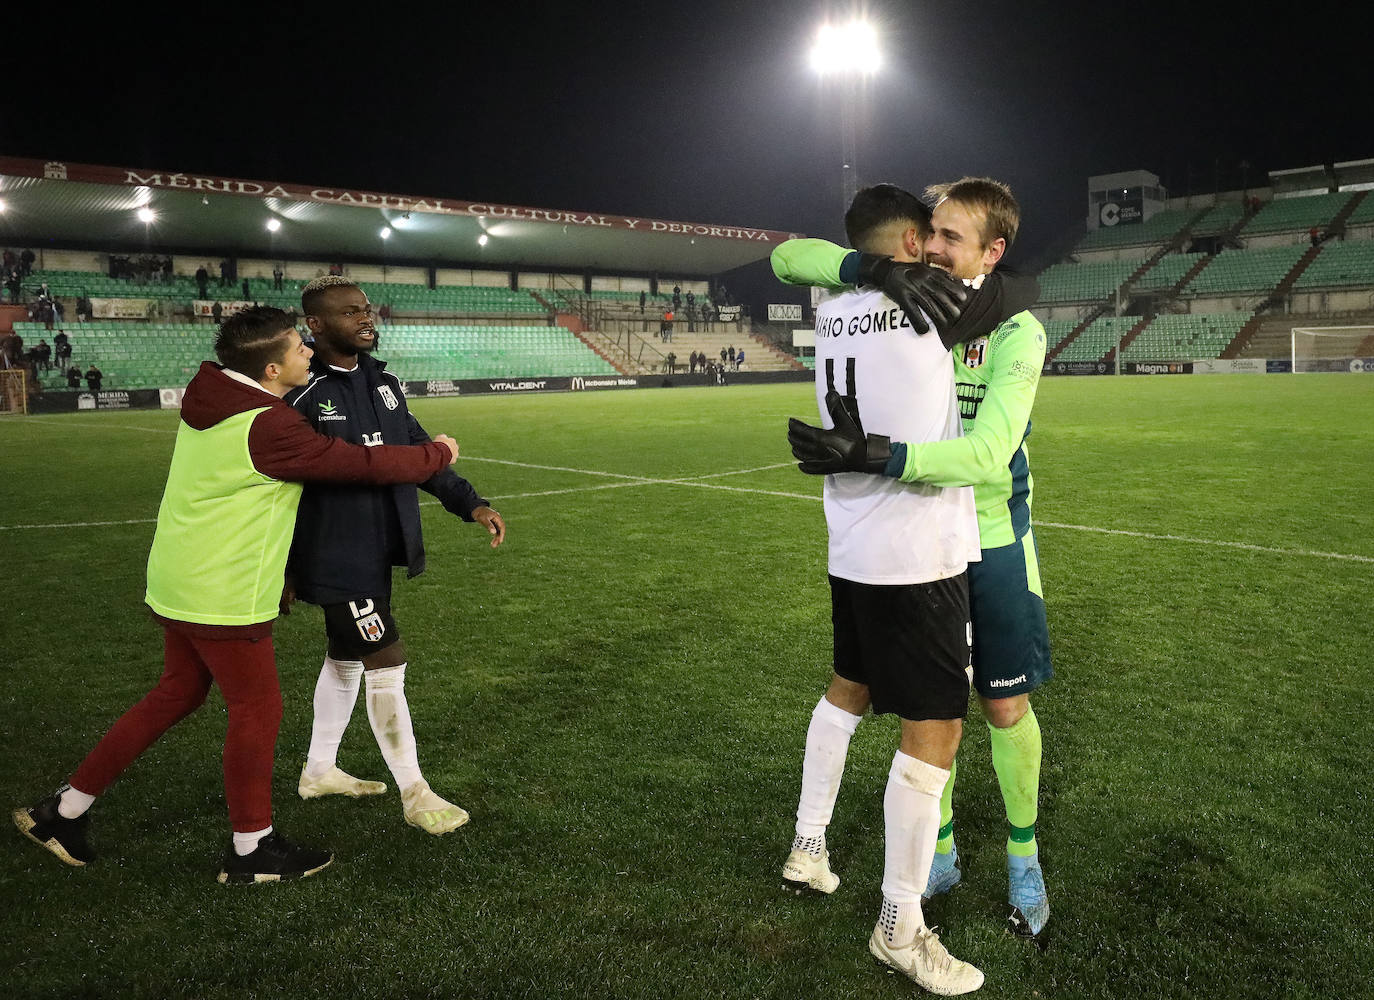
975	221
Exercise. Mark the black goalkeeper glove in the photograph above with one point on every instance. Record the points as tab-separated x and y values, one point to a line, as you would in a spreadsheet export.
916	287
845	448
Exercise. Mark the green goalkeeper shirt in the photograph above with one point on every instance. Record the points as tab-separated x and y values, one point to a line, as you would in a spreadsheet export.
996	378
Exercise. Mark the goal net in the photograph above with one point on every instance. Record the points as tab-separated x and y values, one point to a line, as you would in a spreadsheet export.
1333	349
14	391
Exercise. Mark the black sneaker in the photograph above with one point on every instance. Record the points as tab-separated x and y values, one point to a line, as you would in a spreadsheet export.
275	859
48	828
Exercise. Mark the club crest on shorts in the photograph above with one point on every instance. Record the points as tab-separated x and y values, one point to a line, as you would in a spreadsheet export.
388	397
368	621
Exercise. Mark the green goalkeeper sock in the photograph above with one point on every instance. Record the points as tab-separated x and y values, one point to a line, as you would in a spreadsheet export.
946	842
1016	759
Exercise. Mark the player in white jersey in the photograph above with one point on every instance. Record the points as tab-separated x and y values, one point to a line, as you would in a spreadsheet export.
899	593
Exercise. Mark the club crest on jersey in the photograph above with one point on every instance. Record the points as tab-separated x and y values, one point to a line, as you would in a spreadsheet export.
368	621
388	397
975	352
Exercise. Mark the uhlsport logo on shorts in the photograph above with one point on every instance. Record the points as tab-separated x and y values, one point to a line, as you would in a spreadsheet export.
1002	683
368	621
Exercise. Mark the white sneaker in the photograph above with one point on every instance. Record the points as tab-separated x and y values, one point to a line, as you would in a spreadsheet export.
337	782
810	871
926	961
429	812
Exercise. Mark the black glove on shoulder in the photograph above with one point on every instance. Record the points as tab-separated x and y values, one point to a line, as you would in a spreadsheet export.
916	288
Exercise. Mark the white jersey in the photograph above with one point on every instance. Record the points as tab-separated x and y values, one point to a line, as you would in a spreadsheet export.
884	531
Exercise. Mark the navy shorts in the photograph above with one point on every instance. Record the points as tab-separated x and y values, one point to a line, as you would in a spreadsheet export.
908	644
359	628
1011	640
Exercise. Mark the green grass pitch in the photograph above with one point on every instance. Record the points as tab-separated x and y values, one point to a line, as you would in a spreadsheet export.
620	695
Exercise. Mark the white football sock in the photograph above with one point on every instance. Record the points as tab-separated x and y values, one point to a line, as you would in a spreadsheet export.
336	692
827	745
247	843
389	714
73	804
911	810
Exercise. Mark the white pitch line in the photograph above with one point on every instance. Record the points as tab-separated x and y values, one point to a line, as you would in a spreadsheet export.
1246	546
111	427
696	481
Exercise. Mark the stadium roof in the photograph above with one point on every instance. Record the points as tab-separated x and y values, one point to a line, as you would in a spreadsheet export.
82	206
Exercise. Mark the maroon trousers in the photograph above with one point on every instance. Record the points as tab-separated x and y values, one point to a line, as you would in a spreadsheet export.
246	672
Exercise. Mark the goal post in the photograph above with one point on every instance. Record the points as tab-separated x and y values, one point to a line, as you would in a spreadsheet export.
14	391
1332	348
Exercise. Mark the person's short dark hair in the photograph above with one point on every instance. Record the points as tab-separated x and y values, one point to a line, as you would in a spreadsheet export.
880	205
252	339
312	295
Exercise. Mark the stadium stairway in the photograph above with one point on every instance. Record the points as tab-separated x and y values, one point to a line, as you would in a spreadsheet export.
1242	338
1131	334
1092	316
1336	227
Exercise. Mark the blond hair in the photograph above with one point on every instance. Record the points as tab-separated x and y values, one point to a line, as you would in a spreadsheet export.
992	199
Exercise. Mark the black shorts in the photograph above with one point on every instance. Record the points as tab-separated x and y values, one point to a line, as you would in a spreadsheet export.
356	629
910	645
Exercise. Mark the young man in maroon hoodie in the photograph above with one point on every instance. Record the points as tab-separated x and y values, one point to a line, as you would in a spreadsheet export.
215	576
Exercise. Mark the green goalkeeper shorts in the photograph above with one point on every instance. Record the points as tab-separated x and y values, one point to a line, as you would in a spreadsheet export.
1011	639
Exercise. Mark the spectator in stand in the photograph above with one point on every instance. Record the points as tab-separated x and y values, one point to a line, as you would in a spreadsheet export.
73	377
217	313
226	269
694	360
44	293
13	283
247	292
643	297
691	317
730	355
677	297
42	355
739	359
723	356
93	377
384	313
9	261
671	362
277	275
167	276
202	282
336	270
26	260
666	325
62	348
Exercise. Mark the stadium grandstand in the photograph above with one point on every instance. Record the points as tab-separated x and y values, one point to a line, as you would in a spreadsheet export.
137	266
1226	275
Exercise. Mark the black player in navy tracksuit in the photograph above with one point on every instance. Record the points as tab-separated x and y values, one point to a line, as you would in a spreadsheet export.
348	538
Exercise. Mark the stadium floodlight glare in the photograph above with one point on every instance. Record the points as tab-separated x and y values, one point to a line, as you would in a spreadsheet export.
2	204
385	233
846	48
273	225
146	214
482	240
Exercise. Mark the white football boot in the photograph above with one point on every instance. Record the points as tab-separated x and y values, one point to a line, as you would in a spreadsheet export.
337	782
926	961
430	813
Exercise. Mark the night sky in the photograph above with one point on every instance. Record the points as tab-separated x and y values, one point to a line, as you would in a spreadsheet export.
704	112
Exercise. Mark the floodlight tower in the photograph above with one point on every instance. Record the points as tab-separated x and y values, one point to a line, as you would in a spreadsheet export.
849	52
